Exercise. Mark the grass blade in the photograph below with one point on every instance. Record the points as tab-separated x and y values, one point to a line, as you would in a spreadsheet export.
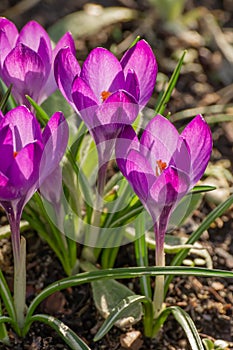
172	82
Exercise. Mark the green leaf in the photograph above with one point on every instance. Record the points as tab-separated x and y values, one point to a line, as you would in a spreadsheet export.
69	336
213	215
202	189
40	113
119	273
107	294
172	83
123	308
7	100
188	326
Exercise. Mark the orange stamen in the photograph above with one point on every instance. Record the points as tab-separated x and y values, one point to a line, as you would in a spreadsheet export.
15	154
105	95
161	166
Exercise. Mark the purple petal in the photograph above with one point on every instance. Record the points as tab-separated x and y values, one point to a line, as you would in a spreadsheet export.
126	141
139	174
141	59
102	72
51	85
119	108
52	186
181	158
85	101
24	171
25	70
6	146
55	138
66	67
8	37
31	34
24	126
199	140
132	84
66	41
169	187
159	140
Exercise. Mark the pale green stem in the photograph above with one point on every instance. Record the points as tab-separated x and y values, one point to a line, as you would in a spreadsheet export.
159	280
19	255
93	234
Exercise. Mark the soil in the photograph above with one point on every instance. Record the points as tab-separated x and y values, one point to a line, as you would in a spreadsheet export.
206	80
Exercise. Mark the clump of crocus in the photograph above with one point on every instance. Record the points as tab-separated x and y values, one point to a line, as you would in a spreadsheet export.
27	58
28	157
106	92
162	167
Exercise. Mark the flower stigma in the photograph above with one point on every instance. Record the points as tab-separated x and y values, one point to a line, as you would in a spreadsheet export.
15	154
160	167
105	95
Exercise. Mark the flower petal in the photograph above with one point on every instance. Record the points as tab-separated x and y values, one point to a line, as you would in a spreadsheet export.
132	84
141	59
24	171
51	85
31	34
25	70
6	146
120	108
198	137
24	125
66	67
159	140
8	37
55	138
126	140
102	72
139	174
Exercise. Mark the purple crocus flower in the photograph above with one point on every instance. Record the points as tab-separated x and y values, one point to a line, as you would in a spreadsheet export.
107	93
161	168
27	158
27	58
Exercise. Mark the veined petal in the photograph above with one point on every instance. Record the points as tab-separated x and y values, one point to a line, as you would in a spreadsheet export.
139	174
132	84
198	137
55	138
141	59
85	101
25	70
66	68
102	72
6	146
159	140
120	107
8	37
181	159
24	171
51	188
169	187
31	34
126	140
51	85
24	125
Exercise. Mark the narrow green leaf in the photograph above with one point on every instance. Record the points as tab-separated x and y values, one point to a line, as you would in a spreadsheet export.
172	82
122	308
135	41
69	336
8	302
217	212
8	101
141	254
40	113
202	189
5	98
120	273
188	326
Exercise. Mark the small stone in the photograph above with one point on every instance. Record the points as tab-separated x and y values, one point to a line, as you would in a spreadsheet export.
131	340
